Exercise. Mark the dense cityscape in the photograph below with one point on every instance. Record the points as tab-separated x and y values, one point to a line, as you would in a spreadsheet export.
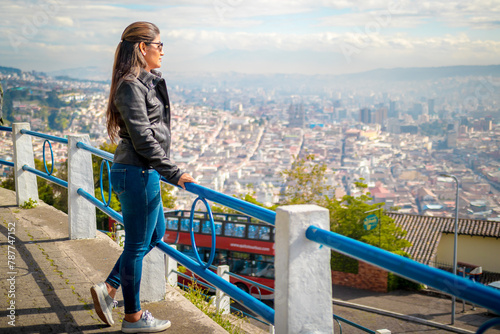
398	137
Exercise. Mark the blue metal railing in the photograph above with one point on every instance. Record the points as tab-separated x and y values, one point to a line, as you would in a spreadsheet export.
100	205
6	163
353	324
44	136
234	203
237	294
452	284
100	153
46	176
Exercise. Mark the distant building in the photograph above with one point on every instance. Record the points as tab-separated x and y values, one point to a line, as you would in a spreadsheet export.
451	139
393	113
296	116
380	116
365	116
430	106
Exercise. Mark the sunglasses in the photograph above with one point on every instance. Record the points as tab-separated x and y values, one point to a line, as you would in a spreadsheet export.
160	45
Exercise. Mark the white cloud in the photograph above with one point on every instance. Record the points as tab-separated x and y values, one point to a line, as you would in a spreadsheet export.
476	14
81	33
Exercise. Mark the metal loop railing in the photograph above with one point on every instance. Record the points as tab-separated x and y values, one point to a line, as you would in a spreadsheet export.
338	322
249	281
258	290
109	183
51	155
487	325
191	231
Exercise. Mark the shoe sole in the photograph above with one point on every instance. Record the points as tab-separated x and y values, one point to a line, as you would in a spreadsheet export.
146	330
97	307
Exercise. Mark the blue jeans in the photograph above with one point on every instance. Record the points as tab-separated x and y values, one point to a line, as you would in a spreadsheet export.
138	190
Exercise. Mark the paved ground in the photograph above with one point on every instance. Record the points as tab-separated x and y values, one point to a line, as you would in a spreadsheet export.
372	310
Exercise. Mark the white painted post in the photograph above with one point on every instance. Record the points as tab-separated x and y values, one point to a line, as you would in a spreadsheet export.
153	282
26	184
81	213
223	301
303	284
170	268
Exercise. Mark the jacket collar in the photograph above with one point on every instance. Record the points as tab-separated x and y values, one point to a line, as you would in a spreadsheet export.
149	79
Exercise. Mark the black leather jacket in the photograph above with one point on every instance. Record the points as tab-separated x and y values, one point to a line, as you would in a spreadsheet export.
145	124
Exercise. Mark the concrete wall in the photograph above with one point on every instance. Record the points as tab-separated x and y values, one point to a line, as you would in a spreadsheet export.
368	278
481	251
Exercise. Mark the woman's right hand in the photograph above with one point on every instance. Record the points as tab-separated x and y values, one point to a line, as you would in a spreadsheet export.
185	178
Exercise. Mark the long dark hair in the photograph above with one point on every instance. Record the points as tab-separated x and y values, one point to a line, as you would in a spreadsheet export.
128	60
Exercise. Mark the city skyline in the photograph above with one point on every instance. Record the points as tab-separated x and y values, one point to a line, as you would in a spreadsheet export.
306	37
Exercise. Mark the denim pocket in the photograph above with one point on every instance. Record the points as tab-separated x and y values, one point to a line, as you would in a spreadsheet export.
118	180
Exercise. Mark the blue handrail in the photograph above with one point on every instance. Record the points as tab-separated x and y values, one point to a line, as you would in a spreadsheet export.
234	203
100	153
455	285
7	163
5	128
47	177
106	209
242	297
44	136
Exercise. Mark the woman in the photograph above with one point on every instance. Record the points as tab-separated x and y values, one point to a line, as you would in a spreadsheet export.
139	114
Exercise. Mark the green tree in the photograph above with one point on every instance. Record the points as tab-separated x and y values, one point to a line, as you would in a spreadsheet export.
348	213
306	185
167	196
306	182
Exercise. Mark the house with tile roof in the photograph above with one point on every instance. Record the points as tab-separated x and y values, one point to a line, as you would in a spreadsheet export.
478	241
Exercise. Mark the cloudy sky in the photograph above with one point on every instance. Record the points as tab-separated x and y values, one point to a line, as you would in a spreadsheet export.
254	36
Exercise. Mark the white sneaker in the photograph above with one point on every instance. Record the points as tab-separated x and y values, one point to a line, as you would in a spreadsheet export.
147	324
103	303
